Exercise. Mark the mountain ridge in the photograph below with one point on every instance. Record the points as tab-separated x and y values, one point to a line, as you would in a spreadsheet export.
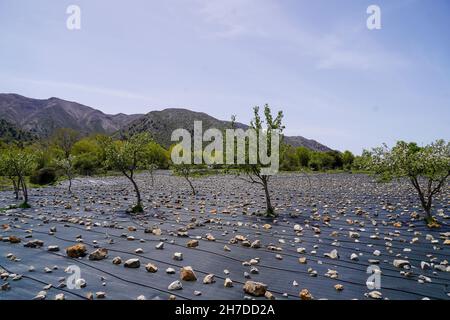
41	117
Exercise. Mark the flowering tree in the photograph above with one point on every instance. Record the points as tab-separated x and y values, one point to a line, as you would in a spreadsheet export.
257	172
66	165
127	157
427	168
17	164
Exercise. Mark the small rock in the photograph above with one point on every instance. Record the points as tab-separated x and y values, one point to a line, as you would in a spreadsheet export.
132	263
178	256
209	278
60	297
375	295
228	283
98	254
192	244
76	251
400	264
151	268
305	295
187	274
256	289
176	285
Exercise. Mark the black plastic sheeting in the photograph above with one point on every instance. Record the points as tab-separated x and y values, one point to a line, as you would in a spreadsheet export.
99	209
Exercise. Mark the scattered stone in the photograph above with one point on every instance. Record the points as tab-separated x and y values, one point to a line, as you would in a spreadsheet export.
76	251
209	278
192	244
53	248
305	295
332	255
178	256
98	254
375	295
401	263
256	289
339	287
228	283
60	297
170	271
187	274
132	263
150	267
176	285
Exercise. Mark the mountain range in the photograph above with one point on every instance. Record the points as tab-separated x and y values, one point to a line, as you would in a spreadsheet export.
24	118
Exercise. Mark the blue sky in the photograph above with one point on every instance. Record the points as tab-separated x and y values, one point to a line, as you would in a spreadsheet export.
336	81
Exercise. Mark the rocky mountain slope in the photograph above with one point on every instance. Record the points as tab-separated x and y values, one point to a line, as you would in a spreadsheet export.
42	117
160	125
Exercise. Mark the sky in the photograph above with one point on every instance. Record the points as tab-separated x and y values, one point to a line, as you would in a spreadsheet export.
336	81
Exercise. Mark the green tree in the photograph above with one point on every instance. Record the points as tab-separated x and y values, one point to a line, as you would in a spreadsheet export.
65	139
303	155
67	166
186	171
18	164
88	156
127	157
253	173
347	160
289	158
427	168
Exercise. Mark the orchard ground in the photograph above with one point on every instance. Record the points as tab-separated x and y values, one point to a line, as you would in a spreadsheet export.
367	223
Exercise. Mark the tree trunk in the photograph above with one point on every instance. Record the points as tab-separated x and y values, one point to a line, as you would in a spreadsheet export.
192	187
70	183
16	188
270	210
138	193
24	190
151	176
426	204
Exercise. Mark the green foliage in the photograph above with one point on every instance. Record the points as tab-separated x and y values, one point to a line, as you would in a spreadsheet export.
127	157
347	160
157	155
253	173
65	139
289	158
44	176
17	164
302	158
427	168
303	155
66	165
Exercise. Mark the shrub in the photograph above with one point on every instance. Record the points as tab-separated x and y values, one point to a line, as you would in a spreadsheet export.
86	165
44	176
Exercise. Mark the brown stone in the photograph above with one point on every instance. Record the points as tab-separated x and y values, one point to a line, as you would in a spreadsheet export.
187	274
256	289
150	267
14	239
98	254
305	295
192	244
76	251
